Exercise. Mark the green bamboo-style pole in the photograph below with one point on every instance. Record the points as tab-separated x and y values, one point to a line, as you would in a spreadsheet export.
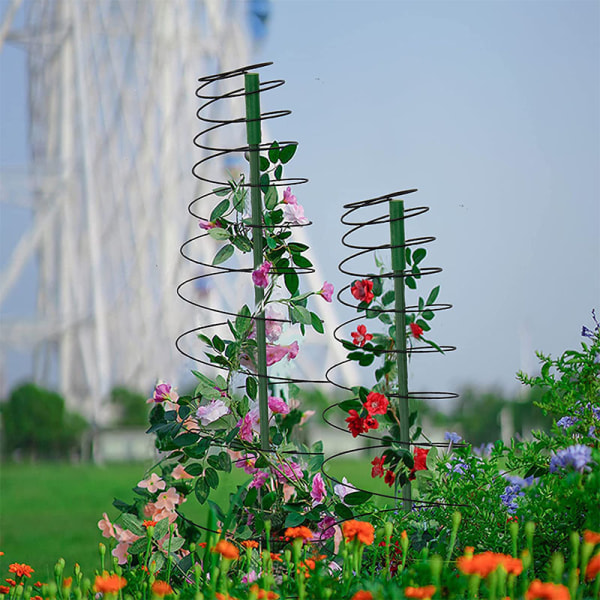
253	134
397	237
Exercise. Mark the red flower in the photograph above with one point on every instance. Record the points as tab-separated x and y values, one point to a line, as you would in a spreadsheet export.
362	290
370	422
390	476
417	330
377	470
376	404
356	425
420	462
360	336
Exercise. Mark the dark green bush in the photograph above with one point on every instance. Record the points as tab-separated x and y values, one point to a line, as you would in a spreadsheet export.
132	407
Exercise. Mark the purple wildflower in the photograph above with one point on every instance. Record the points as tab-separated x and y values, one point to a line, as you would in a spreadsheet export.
577	456
565	422
453	437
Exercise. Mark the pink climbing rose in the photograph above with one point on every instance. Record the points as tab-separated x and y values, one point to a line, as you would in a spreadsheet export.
212	412
259	276
327	291
318	492
278	405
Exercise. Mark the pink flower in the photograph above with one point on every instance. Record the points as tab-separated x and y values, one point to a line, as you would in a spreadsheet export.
259	479
245	426
204	224
294	213
360	336
289	470
327	527
212	412
288	197
274	322
153	483
126	536
276	353
248	465
318	492
168	500
278	405
162	393
327	291
106	527
179	472
259	276
120	552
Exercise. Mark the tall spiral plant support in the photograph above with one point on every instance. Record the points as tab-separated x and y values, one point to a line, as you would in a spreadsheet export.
396	313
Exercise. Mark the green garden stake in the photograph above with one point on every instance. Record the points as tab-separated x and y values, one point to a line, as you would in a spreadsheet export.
397	236
253	134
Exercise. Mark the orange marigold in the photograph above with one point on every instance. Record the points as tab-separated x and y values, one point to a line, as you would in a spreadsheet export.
220	596
4	589
593	567
547	591
250	544
591	537
420	592
365	532
226	550
362	595
20	569
36	598
263	594
11	582
67	582
485	563
299	532
276	557
106	583
161	588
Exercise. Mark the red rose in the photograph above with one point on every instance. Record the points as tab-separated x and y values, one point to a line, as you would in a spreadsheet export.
362	290
376	404
390	477
420	461
377	470
356	425
417	330
370	423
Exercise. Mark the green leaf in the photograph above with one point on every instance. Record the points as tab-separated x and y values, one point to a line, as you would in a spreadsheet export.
186	439
251	496
139	545
274	152
294	519
342	511
291	282
161	529
385	318
411	283
251	387
133	524
269	500
421	304
271	242
278	172
219	210
433	295
222	191
218	233
301	315
271	198
366	359
264	163
286	153
201	490
301	261
357	498
348	405
388	297
218	343
418	255
377	286
239	199
223	254
423	325
212	477
407	255
316	323
428	314
264	182
296	247
224	462
242	243
195	469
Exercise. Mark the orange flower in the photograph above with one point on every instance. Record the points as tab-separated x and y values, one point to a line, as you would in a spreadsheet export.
362	595
4	589
67	582
485	563
276	557
149	523
593	567
38	584
591	537
299	532
220	596
226	550
20	570
419	592
161	588
11	582
547	591
260	593
365	532
36	598
250	544
106	583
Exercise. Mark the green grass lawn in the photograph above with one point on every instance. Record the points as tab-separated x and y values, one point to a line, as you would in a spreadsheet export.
51	510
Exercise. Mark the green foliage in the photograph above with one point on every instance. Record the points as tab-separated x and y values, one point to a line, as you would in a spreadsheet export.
131	405
37	425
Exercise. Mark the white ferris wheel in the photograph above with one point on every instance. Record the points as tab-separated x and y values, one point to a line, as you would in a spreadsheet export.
112	116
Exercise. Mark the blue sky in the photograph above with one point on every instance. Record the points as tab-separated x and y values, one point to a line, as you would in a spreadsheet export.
490	108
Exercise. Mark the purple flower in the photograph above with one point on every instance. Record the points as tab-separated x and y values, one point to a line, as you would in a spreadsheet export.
258	480
212	412
204	224
163	392
288	197
327	527
513	491
259	276
565	422
460	466
577	456
452	437
327	291
318	492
